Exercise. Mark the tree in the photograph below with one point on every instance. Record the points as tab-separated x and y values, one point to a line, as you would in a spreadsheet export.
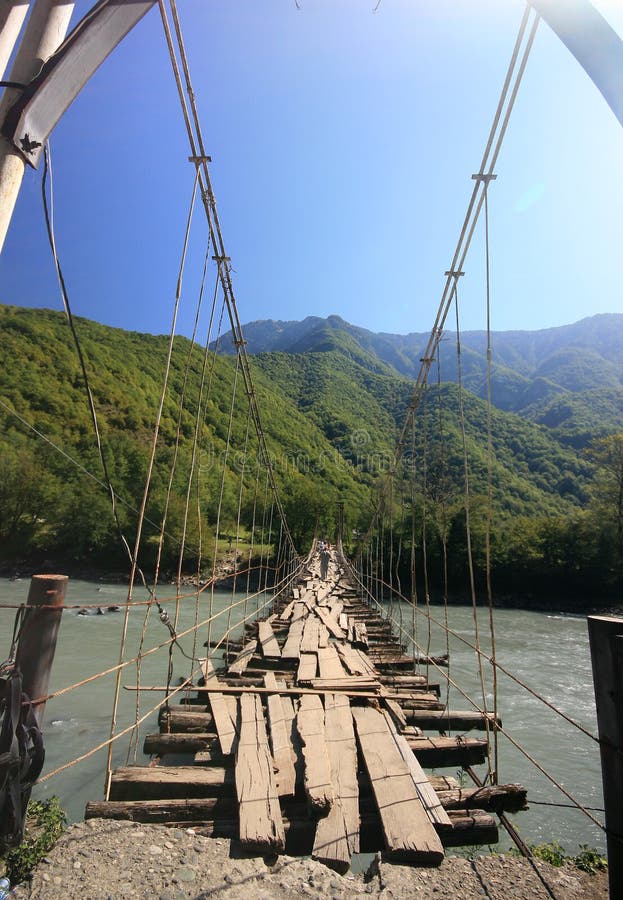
607	454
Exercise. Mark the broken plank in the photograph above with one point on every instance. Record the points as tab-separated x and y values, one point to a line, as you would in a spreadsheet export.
337	834
409	834
268	641
327	619
280	741
261	825
243	659
317	776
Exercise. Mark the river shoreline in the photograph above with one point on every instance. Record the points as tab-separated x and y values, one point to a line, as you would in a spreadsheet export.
106	860
567	604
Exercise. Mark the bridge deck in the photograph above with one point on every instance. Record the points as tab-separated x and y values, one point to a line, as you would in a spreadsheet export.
311	740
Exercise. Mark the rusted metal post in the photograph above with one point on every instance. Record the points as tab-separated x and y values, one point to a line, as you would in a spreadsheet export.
606	641
37	640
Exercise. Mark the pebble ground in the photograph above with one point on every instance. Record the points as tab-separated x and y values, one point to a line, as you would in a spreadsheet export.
104	860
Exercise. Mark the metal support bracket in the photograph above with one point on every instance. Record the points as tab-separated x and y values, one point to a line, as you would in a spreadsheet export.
32	117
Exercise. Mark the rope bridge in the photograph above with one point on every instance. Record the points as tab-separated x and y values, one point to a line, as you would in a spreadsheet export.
304	655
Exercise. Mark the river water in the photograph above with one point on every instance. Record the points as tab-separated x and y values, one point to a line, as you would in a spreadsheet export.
549	652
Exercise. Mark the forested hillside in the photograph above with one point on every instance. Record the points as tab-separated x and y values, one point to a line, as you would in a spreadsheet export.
331	409
551	376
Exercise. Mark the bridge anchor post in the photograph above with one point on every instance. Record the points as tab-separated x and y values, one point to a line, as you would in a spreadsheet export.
606	642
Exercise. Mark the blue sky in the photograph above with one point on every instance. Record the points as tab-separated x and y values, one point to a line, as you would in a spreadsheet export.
343	143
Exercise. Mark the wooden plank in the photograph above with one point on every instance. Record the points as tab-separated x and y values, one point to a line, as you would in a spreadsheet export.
327	619
395	710
268	641
166	782
354	660
225	723
308	666
353	685
292	647
309	641
323	636
409	835
329	664
337	834
261	825
243	659
317	778
300	612
287	612
283	756
289	714
426	793
360	636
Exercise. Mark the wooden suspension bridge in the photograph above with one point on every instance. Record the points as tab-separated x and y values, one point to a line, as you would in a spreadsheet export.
313	733
312	738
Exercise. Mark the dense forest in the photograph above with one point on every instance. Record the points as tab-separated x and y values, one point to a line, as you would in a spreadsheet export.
332	407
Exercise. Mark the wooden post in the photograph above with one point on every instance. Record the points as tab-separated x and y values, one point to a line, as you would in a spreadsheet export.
606	641
37	642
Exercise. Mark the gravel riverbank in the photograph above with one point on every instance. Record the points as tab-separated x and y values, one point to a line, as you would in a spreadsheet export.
104	860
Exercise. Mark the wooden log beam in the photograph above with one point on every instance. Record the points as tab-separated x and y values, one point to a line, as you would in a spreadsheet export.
473	828
451	720
169	782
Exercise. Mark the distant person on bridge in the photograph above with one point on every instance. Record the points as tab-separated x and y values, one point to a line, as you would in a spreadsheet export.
325	558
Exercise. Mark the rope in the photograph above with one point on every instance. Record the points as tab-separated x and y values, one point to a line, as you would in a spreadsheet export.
489	159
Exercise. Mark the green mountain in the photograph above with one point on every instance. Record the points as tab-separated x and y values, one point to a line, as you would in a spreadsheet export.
331	409
531	371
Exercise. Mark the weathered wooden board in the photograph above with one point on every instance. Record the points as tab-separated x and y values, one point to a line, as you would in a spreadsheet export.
292	647
309	641
287	611
224	721
268	641
409	834
337	834
329	663
360	636
280	741
261	825
327	619
243	659
426	793
308	665
317	778
323	636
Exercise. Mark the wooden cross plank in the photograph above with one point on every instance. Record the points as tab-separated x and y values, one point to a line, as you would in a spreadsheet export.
337	834
310	726
261	825
268	641
283	756
243	659
409	834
